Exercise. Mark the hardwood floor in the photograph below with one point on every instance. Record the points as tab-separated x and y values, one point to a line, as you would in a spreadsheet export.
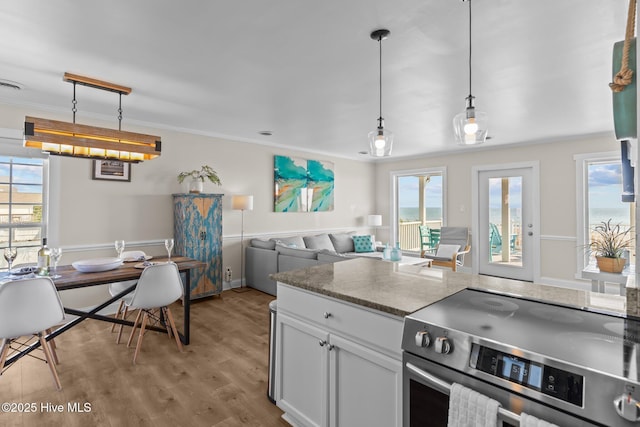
219	380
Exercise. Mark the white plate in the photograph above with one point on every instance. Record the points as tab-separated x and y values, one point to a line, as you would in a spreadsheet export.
147	264
97	264
146	258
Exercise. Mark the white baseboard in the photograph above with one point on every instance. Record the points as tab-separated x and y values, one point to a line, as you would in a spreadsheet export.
234	284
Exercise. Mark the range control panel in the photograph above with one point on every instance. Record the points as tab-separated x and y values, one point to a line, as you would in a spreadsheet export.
558	383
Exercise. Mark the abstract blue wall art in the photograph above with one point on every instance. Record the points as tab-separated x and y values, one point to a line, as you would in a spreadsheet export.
320	185
302	185
290	178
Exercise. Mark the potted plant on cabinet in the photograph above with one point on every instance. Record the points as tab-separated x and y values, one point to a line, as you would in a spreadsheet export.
609	244
197	178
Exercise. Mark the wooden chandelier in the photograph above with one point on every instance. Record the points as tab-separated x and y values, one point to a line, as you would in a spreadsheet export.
90	142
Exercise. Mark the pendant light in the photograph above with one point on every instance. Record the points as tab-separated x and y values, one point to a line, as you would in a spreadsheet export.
90	142
470	126
381	139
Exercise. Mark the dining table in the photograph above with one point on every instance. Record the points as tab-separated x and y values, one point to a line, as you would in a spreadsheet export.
70	278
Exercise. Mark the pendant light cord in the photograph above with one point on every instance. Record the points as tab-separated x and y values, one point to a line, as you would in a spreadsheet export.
74	103
120	112
470	96
380	80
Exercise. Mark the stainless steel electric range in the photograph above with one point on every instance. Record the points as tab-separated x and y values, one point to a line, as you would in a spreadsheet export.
565	365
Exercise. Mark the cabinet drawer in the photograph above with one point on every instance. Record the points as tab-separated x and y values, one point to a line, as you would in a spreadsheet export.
372	328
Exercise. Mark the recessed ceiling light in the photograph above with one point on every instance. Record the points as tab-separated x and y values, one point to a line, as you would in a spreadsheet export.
10	84
265	133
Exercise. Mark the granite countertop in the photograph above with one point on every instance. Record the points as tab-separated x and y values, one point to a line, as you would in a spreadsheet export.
402	289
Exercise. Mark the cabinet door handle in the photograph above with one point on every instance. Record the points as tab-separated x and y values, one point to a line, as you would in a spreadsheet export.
322	343
326	315
331	346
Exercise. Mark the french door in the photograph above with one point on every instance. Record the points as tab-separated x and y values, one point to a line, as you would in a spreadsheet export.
507	238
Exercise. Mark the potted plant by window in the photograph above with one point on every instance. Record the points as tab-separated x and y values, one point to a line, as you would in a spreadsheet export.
609	244
197	177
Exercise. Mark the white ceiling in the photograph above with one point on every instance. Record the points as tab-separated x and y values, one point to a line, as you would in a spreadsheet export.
308	71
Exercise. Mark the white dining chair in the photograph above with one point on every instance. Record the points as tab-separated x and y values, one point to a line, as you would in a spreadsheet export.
159	285
117	287
30	307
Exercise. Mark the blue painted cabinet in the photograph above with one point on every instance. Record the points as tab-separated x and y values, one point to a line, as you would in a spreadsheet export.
197	231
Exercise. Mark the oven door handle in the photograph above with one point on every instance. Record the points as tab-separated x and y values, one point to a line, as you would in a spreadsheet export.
433	381
445	388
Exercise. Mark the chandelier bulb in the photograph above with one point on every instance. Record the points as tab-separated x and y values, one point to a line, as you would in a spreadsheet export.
471	127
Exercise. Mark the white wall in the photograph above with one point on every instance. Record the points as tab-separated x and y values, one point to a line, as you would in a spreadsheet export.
88	215
557	192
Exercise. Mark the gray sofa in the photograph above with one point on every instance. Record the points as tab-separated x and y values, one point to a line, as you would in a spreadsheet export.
265	257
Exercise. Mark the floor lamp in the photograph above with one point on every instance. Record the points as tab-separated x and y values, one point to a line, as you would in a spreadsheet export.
241	203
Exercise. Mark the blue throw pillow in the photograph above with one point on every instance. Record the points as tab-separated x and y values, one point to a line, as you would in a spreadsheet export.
363	244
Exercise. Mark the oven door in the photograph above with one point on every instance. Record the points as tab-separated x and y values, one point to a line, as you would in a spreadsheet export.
426	397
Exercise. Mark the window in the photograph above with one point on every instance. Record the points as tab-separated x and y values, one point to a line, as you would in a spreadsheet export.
600	192
419	200
22	206
505	219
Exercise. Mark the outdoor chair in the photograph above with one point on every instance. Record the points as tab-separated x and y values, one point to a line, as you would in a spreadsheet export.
495	241
434	236
452	247
428	239
30	307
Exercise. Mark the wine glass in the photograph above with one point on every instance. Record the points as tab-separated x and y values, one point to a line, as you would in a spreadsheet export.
119	248
55	255
168	243
10	254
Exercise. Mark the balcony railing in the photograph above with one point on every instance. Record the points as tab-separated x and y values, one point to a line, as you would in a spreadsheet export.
409	235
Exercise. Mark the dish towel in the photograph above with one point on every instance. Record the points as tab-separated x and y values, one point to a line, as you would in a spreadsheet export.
468	408
527	420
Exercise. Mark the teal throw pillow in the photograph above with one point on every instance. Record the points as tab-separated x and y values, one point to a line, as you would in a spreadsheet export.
363	244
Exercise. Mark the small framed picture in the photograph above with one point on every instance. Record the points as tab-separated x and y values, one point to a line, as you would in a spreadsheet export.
112	170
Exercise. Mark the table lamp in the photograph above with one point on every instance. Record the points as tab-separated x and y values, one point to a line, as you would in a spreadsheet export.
374	221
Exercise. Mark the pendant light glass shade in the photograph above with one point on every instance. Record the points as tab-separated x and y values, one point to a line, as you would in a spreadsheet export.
470	126
381	139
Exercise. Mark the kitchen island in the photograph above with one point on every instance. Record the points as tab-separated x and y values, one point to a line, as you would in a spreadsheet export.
339	331
402	289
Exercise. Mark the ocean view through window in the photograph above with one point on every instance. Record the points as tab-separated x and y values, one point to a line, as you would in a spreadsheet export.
604	198
599	183
419	202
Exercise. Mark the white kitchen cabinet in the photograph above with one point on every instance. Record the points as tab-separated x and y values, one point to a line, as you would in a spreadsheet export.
327	374
365	386
302	372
